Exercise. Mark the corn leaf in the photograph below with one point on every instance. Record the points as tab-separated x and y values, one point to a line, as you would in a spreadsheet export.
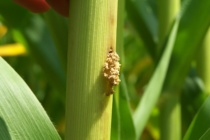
127	129
115	131
122	121
155	85
192	30
21	115
200	124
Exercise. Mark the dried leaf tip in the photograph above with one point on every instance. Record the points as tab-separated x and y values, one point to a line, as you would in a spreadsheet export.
111	70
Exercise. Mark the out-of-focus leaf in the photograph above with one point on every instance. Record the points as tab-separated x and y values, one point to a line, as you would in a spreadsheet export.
193	27
14	15
155	85
206	135
36	36
200	123
21	115
59	29
146	9
144	22
3	30
43	50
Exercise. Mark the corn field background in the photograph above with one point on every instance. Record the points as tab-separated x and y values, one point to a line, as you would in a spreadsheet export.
165	71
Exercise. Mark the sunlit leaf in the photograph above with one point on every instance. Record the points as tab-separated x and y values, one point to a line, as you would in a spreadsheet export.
21	115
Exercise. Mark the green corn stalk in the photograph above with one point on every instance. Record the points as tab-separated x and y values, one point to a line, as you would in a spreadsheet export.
92	31
170	110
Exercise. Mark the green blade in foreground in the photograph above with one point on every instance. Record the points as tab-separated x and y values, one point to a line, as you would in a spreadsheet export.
122	121
21	115
150	97
126	121
200	123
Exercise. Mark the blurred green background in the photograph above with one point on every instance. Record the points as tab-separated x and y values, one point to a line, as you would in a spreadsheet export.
35	45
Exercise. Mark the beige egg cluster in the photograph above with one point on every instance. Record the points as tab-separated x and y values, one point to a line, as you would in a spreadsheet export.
111	68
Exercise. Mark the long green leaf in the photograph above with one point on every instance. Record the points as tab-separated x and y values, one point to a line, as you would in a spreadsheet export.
122	121
200	123
194	23
21	115
127	129
115	130
155	85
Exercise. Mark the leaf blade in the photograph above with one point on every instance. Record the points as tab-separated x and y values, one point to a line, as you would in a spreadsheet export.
21	112
153	90
200	123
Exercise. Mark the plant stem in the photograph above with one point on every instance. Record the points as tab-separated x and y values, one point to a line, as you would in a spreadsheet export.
92	31
203	64
170	118
167	11
170	127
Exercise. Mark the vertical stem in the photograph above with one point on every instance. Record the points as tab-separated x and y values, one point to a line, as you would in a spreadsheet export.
92	31
120	27
167	11
203	64
170	118
170	128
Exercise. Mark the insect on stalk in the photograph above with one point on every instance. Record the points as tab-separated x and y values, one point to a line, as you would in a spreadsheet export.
111	70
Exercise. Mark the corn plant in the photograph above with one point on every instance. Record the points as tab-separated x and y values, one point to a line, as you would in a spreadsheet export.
111	70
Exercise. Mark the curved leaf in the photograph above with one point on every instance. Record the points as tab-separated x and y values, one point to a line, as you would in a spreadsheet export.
21	115
200	123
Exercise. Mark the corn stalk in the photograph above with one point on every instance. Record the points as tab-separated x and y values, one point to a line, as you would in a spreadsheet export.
92	32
